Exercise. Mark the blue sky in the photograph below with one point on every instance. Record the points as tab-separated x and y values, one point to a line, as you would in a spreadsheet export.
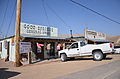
74	16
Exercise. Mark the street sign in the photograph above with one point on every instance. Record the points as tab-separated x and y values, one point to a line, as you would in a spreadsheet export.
25	47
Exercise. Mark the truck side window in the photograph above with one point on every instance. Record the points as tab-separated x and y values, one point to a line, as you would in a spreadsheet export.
82	44
75	45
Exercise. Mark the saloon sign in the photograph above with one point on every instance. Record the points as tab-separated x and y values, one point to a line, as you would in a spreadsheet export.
37	30
90	34
33	30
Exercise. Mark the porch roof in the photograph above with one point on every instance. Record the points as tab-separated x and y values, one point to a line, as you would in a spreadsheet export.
99	40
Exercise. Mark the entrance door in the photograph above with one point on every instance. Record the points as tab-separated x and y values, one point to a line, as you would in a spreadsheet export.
40	50
8	53
52	49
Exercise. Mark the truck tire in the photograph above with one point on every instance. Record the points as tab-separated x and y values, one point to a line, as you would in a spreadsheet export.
63	57
97	55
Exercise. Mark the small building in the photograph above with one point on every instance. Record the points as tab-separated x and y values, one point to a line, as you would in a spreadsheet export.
7	49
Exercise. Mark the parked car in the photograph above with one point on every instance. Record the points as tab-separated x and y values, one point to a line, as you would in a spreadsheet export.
117	49
80	48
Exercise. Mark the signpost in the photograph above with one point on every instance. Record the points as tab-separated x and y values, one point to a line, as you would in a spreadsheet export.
25	47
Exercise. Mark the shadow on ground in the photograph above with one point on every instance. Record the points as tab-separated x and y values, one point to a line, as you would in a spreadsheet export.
78	59
7	74
33	62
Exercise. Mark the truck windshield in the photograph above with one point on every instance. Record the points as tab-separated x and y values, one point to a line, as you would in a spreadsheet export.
82	44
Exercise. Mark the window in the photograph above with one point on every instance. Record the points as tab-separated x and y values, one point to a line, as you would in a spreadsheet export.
116	46
0	47
82	44
52	29
75	45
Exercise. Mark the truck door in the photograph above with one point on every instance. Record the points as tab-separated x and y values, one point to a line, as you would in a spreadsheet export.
84	49
74	50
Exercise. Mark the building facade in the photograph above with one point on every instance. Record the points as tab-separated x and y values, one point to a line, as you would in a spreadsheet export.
7	49
44	43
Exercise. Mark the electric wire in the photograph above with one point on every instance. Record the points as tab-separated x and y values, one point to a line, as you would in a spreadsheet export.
11	19
57	15
41	12
94	11
1	26
45	12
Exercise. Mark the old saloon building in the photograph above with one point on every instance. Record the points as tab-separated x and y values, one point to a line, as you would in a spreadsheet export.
44	41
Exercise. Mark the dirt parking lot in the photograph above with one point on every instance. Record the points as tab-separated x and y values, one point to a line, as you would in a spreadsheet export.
53	68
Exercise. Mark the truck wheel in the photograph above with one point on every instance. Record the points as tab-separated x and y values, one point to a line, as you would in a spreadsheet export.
104	56
97	55
63	57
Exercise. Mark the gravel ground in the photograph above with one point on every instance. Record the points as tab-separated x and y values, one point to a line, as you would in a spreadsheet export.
51	69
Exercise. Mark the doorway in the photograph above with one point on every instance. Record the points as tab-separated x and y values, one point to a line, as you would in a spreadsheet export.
40	50
8	51
52	49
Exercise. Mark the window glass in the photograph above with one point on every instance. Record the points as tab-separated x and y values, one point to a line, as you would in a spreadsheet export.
75	45
116	46
82	44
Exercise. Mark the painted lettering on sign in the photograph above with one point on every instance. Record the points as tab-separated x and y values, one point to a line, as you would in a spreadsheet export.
25	47
37	30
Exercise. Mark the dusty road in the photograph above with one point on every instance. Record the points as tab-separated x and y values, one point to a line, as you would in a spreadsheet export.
53	69
106	71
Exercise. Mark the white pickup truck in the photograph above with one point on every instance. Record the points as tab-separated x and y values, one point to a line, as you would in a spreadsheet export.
80	48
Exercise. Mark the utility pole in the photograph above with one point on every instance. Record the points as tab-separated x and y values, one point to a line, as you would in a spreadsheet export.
17	35
71	33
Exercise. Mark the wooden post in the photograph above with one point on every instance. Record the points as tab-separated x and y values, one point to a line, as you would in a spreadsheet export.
17	35
29	57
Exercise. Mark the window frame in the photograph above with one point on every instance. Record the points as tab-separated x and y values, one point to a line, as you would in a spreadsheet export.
71	47
82	43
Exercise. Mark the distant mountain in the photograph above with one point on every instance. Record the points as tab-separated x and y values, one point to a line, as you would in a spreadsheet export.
115	39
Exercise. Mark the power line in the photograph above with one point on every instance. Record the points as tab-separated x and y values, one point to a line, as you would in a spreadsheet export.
95	12
57	15
4	18
11	19
41	10
45	12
